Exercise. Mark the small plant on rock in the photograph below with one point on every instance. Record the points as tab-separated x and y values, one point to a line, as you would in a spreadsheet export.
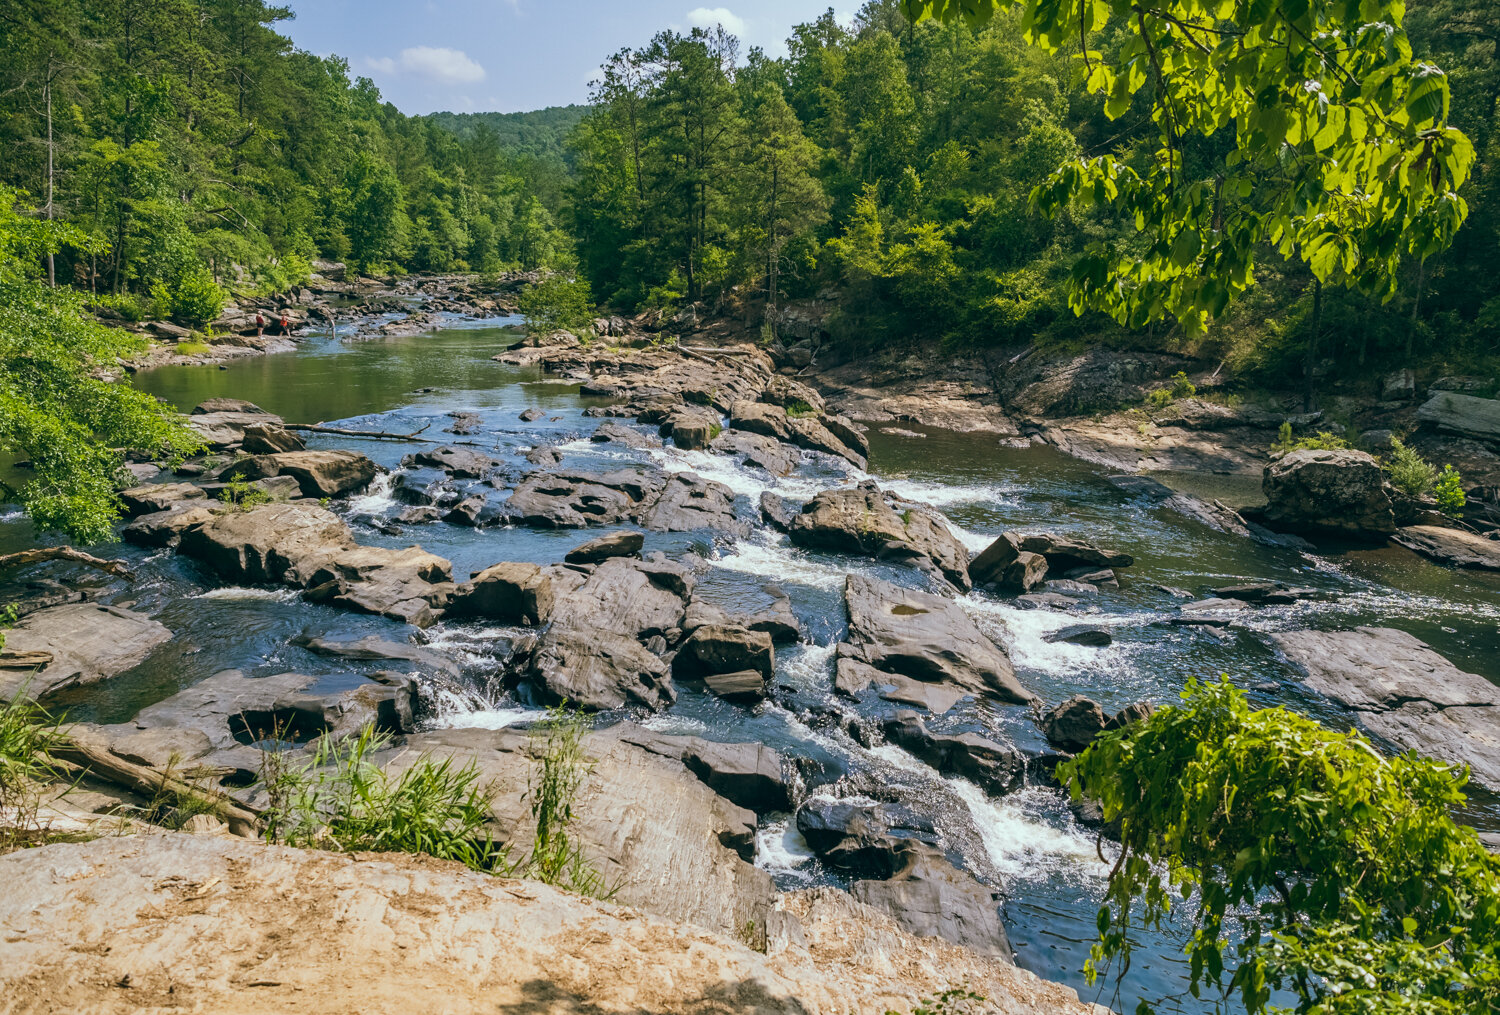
1449	492
1409	472
556	856
1159	399
1181	386
244	496
28	734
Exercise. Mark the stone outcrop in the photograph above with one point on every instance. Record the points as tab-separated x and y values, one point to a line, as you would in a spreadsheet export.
726	648
1465	415
616	544
1454	547
918	643
867	838
758	450
931	898
318	473
688	502
864	520
460	463
1337	493
506	592
144	500
73	645
1404	693
332	932
994	768
571	500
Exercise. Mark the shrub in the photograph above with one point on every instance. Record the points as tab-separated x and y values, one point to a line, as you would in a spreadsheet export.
1181	386
27	736
244	495
1409	472
1324	440
1159	399
557	303
797	408
1449	492
556	857
192	348
192	299
341	800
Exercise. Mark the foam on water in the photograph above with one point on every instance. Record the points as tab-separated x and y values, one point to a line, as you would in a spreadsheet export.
941	496
769	554
781	851
1024	634
806	667
487	719
239	593
376	500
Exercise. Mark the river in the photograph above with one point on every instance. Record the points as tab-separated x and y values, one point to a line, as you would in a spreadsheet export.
1027	844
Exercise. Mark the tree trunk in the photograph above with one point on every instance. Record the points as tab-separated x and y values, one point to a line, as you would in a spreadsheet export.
1416	307
1309	395
51	258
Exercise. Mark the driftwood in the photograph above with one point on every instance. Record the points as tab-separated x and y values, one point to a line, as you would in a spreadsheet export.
24	557
374	434
149	781
24	660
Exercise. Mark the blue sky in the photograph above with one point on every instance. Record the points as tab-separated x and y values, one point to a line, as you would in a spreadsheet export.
508	55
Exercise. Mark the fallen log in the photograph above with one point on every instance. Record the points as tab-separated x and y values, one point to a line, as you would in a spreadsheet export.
150	781
36	556
373	434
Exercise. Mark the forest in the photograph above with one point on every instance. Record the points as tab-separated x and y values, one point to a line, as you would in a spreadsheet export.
890	161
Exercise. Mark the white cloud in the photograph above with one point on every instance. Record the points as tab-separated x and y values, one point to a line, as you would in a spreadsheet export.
708	17
451	66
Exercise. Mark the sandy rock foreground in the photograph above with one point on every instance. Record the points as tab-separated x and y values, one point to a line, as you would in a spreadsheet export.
174	922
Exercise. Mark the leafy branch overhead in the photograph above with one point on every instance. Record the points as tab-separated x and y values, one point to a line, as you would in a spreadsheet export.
1302	124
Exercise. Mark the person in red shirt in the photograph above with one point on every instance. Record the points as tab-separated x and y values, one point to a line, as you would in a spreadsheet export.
286	328
260	325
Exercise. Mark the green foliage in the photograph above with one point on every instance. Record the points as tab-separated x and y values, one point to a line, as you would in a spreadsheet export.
1409	472
27	737
193	299
556	857
557	303
954	1001
1323	440
1160	398
281	274
1449	492
72	426
243	495
1181	386
1338	874
341	800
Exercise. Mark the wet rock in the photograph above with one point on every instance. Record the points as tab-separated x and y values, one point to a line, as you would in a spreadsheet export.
847	431
532	414
723	648
687	502
744	686
926	638
271	545
373	647
991	564
810	432
464	423
61	647
748	774
789	393
1026	572
460	463
544	456
507	593
777	620
691	429
1453	547
616	544
1068	587
409	585
420	515
318	473
931	898
467	511
1404	693
993	768
1082	634
863	520
567	500
777	511
143	500
1341	493
1465	415
762	452
616	433
266	439
866	838
1269	593
1046	601
424	487
1072	726
165	528
1064	554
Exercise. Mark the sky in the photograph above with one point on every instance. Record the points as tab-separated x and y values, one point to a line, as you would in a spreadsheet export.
511	55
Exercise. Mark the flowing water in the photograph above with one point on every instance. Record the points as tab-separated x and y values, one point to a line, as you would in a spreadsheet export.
1027	844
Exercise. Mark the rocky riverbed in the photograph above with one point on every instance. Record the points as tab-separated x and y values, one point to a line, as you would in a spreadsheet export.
823	650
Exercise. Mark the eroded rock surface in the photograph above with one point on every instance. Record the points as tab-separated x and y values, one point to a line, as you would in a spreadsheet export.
83	643
866	521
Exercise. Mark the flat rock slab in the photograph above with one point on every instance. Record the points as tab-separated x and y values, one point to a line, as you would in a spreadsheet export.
86	642
1451	546
244	928
866	521
1404	692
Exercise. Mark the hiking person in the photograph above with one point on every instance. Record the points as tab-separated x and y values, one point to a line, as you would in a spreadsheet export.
286	328
260	325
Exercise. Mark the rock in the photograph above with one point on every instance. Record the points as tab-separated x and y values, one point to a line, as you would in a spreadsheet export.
688	502
848	433
1267	593
762	452
789	393
810	433
1454	547
760	418
692	429
931	898
532	414
866	838
423	488
995	769
616	544
1340	493
748	774
1465	415
83	912
777	620
1404	693
1045	600
576	499
1068	587
213	406
85	643
719	649
926	638
273	544
266	439
409	585
745	685
1064	554
223	431
142	500
467	511
464	423
544	456
1026	572
460	463
165	528
1082	634
373	647
1400	385
863	520
508	593
1072	726
777	511
990	566
619	434
318	473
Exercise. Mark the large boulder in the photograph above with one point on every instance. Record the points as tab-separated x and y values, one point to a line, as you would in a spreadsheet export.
506	592
691	428
221	422
925	638
461	463
273	544
749	774
1065	554
864	520
932	898
1454	547
725	648
166	527
616	544
145	500
571	500
1404	693
318	473
409	585
270	439
1072	725
687	502
52	650
1339	493
758	450
1465	415
994	768
870	839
